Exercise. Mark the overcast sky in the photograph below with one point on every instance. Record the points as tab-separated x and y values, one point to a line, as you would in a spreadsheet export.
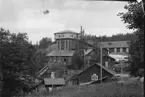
99	18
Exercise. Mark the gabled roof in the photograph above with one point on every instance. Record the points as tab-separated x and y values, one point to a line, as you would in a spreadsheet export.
112	44
108	70
61	53
55	81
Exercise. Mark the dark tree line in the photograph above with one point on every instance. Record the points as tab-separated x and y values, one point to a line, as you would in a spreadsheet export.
117	37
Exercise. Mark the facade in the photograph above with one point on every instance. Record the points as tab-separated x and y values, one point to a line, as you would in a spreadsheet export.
116	47
86	75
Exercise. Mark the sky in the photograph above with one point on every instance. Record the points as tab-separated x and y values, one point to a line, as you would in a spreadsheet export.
96	17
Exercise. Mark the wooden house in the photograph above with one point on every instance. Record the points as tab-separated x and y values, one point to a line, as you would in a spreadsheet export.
85	75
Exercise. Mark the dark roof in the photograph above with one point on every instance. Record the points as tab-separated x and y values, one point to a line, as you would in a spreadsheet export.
114	44
56	81
108	70
66	31
61	53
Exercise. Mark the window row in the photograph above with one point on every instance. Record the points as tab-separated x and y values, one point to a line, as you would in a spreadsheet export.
118	49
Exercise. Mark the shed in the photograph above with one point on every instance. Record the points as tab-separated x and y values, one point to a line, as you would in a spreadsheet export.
85	75
56	82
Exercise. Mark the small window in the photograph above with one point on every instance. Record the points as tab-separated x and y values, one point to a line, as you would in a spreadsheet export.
94	77
58	45
66	45
118	49
111	50
124	49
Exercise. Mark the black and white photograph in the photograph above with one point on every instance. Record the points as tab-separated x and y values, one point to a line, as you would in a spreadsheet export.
72	48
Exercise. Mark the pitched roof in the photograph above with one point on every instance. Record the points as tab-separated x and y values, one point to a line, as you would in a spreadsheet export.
118	57
108	70
112	44
88	51
61	53
56	81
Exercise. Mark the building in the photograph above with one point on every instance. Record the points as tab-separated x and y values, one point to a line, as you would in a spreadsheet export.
116	47
54	83
92	57
86	75
66	42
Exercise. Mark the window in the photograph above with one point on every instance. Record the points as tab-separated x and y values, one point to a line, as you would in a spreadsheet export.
66	45
94	77
58	44
62	45
118	49
124	49
111	50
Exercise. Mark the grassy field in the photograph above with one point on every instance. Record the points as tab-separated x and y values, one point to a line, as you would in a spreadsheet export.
110	89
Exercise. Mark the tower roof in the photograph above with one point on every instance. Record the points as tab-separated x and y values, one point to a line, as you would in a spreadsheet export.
66	31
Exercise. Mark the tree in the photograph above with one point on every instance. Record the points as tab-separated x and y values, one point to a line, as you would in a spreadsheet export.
17	61
77	62
45	42
41	52
134	17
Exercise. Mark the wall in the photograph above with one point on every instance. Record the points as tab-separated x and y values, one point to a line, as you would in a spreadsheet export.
66	35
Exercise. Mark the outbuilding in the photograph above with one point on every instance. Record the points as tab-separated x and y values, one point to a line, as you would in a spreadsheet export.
86	75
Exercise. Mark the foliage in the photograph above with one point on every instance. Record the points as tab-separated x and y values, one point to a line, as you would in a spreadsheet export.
45	42
41	52
17	60
134	17
116	37
76	62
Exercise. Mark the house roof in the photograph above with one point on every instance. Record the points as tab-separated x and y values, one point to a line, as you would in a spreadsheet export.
114	44
108	70
61	53
119	57
66	31
56	81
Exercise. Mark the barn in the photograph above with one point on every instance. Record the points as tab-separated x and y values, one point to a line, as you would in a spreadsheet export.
86	75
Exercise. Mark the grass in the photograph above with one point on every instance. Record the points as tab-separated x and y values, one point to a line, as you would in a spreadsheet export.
110	89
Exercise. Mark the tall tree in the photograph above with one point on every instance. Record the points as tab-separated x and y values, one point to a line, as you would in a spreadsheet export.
17	61
45	42
134	17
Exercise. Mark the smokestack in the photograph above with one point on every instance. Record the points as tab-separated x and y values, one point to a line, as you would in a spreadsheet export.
81	29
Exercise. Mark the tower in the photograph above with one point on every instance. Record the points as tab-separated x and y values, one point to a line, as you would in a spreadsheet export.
66	40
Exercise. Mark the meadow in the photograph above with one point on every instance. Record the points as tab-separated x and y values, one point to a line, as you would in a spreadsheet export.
109	89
